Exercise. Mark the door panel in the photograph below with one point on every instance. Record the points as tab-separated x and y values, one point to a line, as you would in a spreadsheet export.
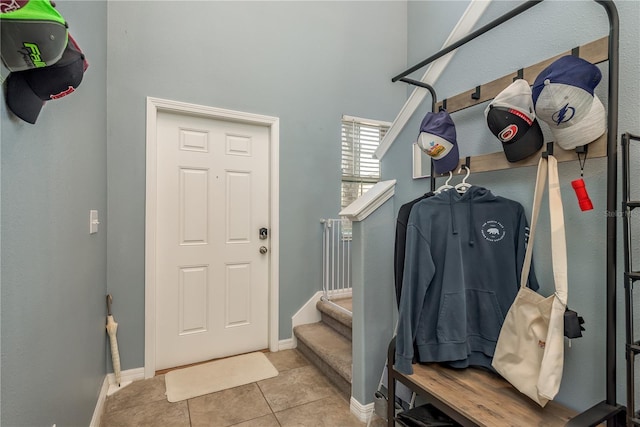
193	299
212	283
194	204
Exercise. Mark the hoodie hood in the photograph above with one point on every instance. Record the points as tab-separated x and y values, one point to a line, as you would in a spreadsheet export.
473	195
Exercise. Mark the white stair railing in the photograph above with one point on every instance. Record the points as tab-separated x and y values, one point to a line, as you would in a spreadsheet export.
336	258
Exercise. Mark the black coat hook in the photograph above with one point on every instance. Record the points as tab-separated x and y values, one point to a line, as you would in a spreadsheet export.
476	94
520	75
582	149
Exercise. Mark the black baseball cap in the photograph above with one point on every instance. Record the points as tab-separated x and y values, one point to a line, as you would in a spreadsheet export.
511	118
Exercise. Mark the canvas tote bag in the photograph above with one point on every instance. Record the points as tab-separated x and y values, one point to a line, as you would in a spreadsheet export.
530	348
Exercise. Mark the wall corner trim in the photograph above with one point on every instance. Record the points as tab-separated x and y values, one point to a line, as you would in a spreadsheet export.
366	204
109	387
361	412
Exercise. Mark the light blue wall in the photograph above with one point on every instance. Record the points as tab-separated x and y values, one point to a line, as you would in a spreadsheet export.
53	271
544	31
304	62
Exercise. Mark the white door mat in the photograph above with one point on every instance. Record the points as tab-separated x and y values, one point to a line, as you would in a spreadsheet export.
218	375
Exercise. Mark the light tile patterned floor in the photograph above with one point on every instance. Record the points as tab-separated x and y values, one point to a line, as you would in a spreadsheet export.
299	396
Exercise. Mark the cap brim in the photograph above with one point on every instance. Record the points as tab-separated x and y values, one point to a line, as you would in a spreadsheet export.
21	99
592	127
447	163
526	146
442	152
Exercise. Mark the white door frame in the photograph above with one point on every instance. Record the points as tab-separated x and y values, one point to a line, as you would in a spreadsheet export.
154	106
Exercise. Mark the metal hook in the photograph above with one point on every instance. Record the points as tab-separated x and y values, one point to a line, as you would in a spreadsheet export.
476	95
519	75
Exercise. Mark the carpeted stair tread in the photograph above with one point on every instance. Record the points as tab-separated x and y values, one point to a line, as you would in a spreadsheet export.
330	346
336	313
336	317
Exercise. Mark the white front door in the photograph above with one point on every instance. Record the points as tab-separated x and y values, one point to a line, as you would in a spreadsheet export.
211	268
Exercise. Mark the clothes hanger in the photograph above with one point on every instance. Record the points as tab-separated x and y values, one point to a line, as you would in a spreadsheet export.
446	185
464	185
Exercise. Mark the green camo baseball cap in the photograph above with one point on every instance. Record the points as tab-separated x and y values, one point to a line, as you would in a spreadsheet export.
33	34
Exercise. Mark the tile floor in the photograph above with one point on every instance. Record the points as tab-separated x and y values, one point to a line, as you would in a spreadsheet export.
299	396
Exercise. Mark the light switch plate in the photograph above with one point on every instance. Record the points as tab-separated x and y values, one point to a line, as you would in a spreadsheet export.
93	221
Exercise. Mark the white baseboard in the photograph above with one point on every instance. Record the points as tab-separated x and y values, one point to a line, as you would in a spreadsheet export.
97	412
308	313
362	412
287	344
127	376
109	387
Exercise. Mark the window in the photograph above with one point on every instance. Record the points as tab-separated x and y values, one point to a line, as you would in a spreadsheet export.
360	170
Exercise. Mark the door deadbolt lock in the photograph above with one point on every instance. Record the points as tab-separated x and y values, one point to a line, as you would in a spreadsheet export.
263	250
263	233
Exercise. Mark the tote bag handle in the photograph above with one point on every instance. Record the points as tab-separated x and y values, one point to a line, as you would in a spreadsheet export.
549	166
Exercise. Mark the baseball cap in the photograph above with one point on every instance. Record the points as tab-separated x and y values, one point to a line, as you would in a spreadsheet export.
28	90
585	131
33	34
437	139
563	92
511	118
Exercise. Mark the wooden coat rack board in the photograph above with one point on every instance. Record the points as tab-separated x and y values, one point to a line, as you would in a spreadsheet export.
594	52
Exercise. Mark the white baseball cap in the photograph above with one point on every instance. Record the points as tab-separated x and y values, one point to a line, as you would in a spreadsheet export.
563	92
585	131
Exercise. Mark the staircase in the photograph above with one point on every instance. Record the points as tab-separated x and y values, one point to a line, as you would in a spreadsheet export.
327	344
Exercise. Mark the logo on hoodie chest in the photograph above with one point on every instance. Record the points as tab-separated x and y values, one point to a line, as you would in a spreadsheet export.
493	231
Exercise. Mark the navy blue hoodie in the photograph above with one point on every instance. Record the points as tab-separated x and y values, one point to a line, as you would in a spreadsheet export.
463	259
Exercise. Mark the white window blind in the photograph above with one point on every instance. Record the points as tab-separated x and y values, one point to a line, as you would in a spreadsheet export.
360	170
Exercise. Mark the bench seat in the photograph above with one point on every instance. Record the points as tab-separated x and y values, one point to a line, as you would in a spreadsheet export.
476	397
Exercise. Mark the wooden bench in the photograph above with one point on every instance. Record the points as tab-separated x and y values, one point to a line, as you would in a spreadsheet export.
475	397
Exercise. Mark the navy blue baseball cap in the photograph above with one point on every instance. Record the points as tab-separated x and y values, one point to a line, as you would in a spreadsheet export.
563	92
437	139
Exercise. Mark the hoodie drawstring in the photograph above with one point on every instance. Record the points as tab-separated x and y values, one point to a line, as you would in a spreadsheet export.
471	223
454	226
